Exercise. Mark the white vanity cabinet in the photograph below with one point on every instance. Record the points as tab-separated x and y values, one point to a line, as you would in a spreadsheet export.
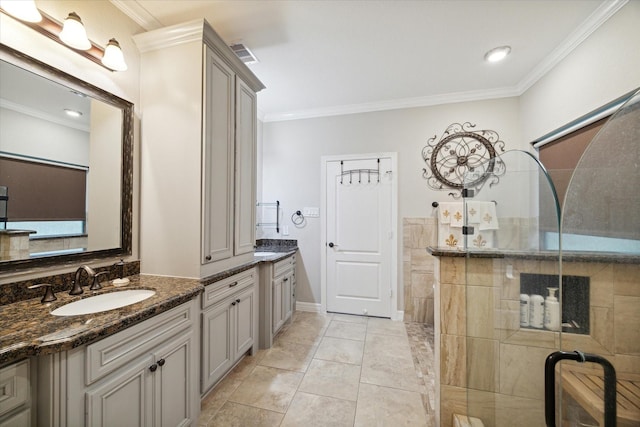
198	152
277	297
229	324
146	375
15	395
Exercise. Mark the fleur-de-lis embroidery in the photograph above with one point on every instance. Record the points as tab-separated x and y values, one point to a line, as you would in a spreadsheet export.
446	213
472	212
458	216
487	218
479	241
452	241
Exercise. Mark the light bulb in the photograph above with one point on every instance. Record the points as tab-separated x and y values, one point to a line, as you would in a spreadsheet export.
73	33
497	54
24	10
113	57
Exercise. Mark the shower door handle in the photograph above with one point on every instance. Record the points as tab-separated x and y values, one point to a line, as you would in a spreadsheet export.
578	356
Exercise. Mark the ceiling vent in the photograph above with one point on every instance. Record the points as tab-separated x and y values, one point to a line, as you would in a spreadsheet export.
244	53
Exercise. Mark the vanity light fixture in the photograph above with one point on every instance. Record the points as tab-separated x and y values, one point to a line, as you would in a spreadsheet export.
71	34
74	34
113	57
497	54
25	10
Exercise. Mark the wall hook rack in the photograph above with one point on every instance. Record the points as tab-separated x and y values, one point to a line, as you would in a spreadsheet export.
359	173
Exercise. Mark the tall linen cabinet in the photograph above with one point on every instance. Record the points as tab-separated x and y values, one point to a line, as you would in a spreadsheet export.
198	153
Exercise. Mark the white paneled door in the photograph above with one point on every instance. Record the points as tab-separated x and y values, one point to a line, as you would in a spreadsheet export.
360	235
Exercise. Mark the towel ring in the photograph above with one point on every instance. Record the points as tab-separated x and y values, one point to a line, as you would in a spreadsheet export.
297	218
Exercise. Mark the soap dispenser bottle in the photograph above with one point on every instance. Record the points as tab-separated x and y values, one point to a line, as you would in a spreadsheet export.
552	311
536	311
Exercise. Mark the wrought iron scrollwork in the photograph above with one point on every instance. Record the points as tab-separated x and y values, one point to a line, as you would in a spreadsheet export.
463	158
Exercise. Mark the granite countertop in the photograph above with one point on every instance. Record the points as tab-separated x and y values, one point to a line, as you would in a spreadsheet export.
28	328
276	253
567	256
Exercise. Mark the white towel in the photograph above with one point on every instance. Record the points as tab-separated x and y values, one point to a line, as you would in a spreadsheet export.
480	239
451	213
473	212
450	237
488	216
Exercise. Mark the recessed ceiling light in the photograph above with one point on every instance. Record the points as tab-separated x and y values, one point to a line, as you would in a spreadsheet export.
497	54
72	113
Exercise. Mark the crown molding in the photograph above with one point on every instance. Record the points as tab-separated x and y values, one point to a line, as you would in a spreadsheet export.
422	101
599	16
170	36
139	14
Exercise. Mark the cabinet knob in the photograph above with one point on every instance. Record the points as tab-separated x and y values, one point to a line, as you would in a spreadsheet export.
153	367
208	257
161	362
286	279
238	301
331	244
233	303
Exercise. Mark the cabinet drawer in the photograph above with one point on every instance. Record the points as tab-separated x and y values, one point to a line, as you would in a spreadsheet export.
113	352
219	290
14	386
281	267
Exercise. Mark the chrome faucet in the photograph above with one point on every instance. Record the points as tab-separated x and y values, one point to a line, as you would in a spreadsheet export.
76	287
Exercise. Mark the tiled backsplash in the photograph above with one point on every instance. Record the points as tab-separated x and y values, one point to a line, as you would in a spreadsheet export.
19	291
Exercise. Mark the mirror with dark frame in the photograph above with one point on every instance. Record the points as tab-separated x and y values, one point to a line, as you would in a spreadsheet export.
66	167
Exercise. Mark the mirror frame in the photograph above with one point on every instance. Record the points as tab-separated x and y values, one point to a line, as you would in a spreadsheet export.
126	180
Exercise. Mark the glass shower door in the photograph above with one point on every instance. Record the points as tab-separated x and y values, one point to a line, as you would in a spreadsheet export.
601	241
510	264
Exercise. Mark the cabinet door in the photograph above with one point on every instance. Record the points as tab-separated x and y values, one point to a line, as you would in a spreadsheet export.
286	297
218	160
216	343
277	309
245	191
172	383
244	321
122	400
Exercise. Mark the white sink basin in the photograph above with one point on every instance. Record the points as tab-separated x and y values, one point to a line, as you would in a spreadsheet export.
265	253
103	302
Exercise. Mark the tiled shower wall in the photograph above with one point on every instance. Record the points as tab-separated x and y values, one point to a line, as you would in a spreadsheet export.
493	369
418	278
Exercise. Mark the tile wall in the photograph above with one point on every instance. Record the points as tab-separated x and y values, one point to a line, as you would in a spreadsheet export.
418	268
493	370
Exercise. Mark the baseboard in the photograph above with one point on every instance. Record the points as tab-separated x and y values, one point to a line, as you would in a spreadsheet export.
308	306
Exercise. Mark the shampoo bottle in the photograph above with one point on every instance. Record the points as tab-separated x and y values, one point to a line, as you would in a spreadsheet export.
552	311
536	311
524	310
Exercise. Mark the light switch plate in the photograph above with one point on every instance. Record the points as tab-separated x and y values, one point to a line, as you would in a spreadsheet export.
311	212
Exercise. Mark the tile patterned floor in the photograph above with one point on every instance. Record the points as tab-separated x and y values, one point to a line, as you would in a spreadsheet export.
331	370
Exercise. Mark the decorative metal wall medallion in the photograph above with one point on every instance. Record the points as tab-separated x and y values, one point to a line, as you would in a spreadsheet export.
463	158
